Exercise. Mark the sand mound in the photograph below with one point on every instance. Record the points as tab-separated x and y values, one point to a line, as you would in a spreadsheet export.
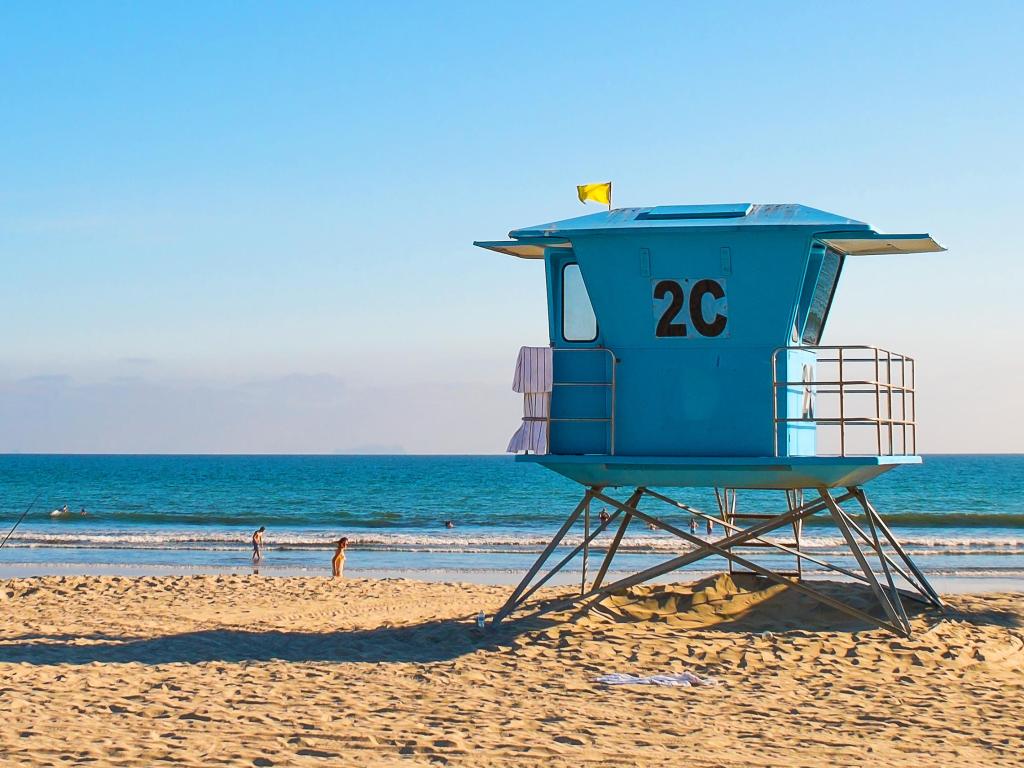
751	623
745	602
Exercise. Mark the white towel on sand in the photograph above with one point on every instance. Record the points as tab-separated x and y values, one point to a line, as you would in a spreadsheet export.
683	680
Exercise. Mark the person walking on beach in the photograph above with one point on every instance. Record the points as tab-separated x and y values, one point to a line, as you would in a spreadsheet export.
338	561
257	544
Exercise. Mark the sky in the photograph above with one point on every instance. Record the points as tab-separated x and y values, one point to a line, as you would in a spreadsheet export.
247	227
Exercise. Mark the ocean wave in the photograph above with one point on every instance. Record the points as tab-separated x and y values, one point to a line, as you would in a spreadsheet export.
917	543
391	519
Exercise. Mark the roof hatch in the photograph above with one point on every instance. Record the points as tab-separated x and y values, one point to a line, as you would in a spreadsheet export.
725	211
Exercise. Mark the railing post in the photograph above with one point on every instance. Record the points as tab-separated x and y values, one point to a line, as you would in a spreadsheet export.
775	401
903	399
842	408
888	381
878	405
611	426
913	404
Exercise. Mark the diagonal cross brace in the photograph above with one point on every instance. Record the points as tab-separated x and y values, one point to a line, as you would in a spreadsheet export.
513	599
776	545
705	549
923	583
841	520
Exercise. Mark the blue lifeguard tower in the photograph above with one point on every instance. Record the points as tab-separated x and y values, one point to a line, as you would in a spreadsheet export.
685	352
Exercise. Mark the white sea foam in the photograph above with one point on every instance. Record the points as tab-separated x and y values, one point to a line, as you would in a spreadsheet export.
919	543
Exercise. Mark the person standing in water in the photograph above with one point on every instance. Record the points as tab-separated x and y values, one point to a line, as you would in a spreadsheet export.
338	561
257	544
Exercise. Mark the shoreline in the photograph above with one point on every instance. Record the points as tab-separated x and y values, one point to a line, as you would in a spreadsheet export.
961	584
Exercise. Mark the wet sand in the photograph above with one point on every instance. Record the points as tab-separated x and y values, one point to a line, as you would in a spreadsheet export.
244	670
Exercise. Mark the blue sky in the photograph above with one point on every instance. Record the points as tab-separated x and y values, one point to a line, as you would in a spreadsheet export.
247	227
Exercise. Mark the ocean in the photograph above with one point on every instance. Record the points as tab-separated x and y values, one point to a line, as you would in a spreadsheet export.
960	516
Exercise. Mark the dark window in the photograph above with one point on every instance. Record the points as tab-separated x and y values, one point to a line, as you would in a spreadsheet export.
578	320
821	299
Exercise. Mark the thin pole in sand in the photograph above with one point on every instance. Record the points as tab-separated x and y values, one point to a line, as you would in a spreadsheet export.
610	554
586	547
20	519
565	560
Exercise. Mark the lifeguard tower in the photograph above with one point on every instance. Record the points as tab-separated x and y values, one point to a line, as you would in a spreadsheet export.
685	352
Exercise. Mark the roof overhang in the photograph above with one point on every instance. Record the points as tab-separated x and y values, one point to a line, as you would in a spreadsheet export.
525	248
874	244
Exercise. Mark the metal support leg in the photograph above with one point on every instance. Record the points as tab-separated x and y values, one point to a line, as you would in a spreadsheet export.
839	517
922	596
627	509
795	499
927	588
884	561
567	559
513	599
586	547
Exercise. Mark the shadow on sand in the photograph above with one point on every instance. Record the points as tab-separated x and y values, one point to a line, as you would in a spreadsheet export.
737	604
428	642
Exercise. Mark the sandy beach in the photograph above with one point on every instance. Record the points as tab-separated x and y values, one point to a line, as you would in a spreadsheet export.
244	670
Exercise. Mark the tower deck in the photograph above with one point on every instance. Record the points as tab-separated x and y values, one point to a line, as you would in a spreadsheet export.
770	472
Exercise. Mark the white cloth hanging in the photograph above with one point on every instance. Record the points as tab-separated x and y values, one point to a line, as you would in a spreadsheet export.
533	370
533	378
533	434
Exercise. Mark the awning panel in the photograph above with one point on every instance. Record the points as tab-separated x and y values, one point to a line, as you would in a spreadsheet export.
522	249
873	244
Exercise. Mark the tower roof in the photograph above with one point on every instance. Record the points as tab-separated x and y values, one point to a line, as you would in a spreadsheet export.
687	216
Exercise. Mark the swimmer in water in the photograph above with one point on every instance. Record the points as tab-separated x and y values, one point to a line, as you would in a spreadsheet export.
338	561
604	517
449	523
257	544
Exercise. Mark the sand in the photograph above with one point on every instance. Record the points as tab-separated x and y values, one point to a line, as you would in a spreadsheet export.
244	670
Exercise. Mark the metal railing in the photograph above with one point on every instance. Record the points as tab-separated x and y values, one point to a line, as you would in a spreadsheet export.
886	378
610	419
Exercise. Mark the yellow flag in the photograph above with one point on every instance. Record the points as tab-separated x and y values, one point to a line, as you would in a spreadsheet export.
599	193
